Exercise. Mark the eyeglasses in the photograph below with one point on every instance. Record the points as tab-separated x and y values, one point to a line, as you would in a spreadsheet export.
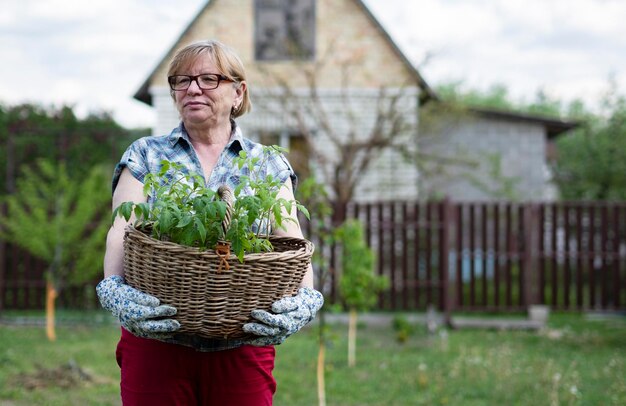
205	81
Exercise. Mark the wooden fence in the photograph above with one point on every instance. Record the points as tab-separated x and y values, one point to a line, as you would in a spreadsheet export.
456	256
495	256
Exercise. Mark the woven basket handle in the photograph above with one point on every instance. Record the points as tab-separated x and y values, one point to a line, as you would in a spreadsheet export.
226	195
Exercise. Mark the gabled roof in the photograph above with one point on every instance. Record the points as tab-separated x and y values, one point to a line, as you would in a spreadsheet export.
143	93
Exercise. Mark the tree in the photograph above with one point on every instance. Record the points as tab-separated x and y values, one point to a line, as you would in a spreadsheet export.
61	221
31	132
359	285
497	97
591	162
345	139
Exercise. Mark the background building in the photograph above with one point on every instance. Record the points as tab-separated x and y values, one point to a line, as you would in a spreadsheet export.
335	53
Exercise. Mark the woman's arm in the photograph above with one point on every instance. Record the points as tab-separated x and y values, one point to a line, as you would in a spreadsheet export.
293	228
138	312
128	189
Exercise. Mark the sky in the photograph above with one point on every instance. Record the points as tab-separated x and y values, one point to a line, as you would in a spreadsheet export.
94	55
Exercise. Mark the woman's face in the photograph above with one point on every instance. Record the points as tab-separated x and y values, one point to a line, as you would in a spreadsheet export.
198	107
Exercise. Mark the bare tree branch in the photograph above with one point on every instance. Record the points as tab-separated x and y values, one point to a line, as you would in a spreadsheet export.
344	142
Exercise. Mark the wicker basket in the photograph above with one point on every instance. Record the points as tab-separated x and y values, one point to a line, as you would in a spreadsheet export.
213	301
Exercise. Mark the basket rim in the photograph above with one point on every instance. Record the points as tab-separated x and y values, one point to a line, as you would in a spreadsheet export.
306	248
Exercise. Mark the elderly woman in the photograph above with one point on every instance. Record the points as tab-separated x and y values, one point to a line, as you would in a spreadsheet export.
159	365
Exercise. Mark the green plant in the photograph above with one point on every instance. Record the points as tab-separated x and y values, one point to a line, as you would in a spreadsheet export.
59	220
187	212
30	132
359	285
402	327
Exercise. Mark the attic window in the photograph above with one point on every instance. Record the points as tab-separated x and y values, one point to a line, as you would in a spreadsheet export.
284	30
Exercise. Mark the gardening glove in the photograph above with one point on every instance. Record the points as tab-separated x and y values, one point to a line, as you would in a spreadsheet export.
135	310
289	315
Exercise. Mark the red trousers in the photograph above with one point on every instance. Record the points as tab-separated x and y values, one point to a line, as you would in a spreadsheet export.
158	373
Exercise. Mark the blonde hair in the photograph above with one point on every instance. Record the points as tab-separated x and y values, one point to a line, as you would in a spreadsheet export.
228	63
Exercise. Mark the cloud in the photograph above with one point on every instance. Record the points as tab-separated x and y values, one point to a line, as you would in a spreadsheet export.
95	54
568	48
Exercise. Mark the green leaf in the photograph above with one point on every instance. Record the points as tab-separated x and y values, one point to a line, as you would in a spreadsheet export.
278	214
166	221
304	211
165	167
188	237
201	230
142	211
287	204
184	221
125	210
221	210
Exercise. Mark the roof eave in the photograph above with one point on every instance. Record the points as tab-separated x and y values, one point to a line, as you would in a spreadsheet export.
427	92
143	93
554	126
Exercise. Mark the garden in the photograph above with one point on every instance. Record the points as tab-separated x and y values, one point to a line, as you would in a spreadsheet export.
578	359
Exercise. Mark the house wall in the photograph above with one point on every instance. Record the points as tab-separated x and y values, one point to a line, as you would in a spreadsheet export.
347	41
474	142
389	175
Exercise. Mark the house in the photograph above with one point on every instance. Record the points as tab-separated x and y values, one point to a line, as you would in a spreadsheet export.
493	155
351	53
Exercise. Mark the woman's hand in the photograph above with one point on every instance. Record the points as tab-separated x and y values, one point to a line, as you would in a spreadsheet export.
289	315
136	310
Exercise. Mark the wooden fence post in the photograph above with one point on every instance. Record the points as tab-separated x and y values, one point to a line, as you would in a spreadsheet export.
446	222
3	262
530	255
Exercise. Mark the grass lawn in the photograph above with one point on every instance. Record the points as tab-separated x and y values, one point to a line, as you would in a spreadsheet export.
575	361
